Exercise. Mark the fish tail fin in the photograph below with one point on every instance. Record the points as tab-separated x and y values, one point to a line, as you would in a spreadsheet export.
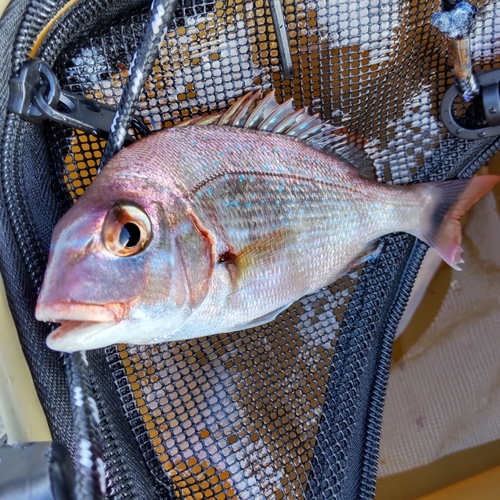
449	200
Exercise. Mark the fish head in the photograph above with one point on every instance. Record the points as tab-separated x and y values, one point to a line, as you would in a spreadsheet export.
127	261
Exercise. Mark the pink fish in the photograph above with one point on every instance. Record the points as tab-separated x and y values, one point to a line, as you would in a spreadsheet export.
220	224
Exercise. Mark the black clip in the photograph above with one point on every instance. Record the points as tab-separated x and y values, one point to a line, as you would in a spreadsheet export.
24	87
490	94
36	96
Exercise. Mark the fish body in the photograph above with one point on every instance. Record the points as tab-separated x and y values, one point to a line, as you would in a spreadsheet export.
206	229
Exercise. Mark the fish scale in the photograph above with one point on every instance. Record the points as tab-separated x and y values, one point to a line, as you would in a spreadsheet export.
211	228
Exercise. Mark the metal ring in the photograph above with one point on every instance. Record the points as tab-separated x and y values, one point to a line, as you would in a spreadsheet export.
455	127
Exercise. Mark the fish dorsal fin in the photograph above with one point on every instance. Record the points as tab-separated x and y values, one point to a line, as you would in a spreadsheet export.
258	112
358	152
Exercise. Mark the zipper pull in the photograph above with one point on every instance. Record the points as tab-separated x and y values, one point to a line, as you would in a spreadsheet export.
36	96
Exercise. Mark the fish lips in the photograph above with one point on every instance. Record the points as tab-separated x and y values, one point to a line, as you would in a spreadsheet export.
82	326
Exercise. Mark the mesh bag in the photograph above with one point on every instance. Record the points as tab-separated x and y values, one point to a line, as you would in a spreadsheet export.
291	409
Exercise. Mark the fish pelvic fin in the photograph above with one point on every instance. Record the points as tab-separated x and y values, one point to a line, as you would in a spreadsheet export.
261	320
449	201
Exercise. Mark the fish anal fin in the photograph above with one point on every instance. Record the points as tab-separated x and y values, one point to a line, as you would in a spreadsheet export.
372	251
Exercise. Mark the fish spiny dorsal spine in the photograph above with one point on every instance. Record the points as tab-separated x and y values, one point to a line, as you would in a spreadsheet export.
258	112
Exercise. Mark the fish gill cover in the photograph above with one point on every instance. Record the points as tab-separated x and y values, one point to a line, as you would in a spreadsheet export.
291	409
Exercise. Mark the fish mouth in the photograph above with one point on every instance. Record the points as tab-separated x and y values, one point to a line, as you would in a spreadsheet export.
74	336
81	325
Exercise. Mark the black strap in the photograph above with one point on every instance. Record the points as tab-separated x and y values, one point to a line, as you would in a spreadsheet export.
140	69
90	475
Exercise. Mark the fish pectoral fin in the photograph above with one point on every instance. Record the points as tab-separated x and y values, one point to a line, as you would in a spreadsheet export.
261	320
263	251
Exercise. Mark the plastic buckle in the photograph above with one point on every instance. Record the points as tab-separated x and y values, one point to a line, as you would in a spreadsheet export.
490	94
36	96
23	87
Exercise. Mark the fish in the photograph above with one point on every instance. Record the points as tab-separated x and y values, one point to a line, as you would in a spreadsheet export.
219	224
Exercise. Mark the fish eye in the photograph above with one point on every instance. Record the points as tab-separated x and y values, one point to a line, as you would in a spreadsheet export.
130	235
126	230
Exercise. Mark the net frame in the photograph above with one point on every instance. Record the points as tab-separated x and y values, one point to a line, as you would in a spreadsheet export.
362	345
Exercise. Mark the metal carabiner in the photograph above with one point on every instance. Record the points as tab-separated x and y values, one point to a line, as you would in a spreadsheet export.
490	95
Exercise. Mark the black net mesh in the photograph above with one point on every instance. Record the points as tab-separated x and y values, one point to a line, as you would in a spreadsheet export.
291	409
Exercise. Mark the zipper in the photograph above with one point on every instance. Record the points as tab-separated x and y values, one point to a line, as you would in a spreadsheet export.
38	14
376	406
377	400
